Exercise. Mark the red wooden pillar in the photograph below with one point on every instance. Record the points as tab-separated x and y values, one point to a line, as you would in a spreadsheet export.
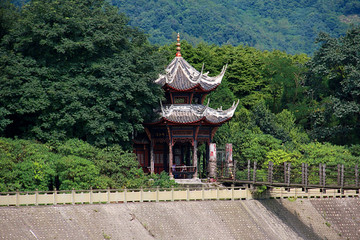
229	161
170	160
212	161
195	159
152	164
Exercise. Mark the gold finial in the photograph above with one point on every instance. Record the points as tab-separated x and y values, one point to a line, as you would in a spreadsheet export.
178	54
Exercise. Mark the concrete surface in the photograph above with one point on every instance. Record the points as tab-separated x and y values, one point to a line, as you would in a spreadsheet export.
244	219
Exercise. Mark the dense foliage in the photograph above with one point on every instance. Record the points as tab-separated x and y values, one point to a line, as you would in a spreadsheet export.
334	79
72	70
285	100
28	165
75	69
287	25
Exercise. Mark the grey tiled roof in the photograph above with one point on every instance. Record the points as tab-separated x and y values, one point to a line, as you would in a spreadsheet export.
189	113
180	75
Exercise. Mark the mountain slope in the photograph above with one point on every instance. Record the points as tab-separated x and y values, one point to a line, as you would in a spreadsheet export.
287	25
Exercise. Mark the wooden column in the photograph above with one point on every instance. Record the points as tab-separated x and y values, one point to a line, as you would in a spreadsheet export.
206	160
170	161
212	161
229	162
195	160
152	164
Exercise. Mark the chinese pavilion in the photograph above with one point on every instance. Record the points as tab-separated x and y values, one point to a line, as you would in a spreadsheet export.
184	121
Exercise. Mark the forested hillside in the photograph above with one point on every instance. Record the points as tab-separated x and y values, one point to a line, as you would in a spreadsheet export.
286	25
76	81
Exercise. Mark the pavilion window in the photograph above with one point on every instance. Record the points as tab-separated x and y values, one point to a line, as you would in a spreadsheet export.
180	100
159	158
140	158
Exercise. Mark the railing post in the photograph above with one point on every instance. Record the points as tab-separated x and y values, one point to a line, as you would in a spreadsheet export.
36	197
288	174
320	174
249	172
17	198
339	175
270	172
55	196
172	193
187	193
91	195
203	193
303	174
157	194
73	196
141	194
285	175
306	176
232	192
108	195
342	175
254	173
324	174
125	195
356	176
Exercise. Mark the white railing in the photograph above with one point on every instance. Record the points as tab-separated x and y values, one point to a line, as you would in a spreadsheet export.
283	192
121	196
159	195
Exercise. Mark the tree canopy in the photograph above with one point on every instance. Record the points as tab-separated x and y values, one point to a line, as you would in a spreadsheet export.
286	25
76	69
334	80
28	165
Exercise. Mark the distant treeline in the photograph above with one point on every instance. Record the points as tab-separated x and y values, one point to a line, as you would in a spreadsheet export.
286	25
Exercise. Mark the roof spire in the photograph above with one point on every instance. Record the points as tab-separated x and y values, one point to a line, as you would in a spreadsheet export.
178	54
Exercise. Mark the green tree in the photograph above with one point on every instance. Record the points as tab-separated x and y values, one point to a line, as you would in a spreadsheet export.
28	165
8	17
315	153
79	173
278	157
25	165
289	26
75	69
283	74
334	78
244	75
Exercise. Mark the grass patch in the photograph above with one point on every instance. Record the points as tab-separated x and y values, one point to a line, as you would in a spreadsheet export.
292	199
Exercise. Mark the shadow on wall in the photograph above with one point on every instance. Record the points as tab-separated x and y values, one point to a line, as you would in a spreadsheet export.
291	220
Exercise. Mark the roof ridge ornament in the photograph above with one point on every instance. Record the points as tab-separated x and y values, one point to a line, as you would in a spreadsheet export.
162	108
198	77
206	107
178	54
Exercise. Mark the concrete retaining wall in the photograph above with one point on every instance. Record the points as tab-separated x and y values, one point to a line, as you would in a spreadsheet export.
335	218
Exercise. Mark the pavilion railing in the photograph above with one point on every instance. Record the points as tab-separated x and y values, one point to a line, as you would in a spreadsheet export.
304	175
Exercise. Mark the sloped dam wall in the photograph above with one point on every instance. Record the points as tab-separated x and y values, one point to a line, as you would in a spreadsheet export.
316	218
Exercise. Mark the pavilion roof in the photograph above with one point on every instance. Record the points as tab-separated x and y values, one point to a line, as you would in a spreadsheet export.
192	113
180	75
